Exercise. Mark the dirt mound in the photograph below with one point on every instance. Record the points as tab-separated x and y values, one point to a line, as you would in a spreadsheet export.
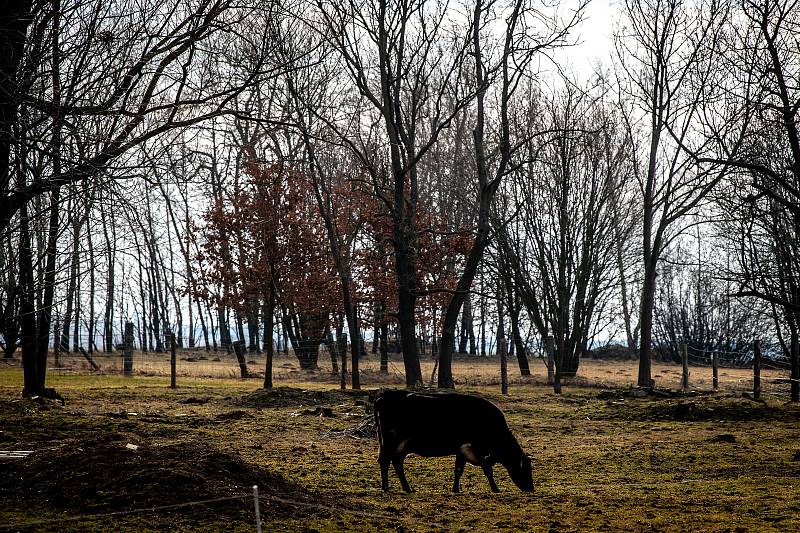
291	397
614	352
102	474
683	410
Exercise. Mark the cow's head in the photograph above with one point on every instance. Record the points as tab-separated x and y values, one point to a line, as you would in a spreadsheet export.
521	472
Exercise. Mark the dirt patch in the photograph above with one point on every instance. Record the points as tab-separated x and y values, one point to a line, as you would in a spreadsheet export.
195	400
291	397
691	410
101	474
236	414
723	437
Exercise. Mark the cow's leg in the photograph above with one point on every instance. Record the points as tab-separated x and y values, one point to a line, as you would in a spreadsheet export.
460	462
397	462
487	469
383	461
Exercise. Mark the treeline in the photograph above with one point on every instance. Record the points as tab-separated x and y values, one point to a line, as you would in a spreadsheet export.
220	170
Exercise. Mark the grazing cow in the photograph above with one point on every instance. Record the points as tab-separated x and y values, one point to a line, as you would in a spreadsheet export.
439	424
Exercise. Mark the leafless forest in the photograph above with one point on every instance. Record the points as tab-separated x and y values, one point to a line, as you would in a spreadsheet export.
415	178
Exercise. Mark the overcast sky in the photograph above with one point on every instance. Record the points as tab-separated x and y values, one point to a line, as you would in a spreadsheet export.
595	39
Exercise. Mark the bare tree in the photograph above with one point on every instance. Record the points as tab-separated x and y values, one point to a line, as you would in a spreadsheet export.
563	251
751	129
403	59
501	74
665	54
92	81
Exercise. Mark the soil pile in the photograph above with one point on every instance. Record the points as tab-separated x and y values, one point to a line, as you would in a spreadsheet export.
291	397
102	474
696	411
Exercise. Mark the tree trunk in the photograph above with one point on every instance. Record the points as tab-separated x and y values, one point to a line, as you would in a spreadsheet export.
15	17
384	348
203	325
27	337
92	323
376	331
486	190
383	336
342	341
570	360
408	340
108	317
269	334
239	326
239	350
76	323
466	325
73	276
522	357
45	311
308	354
646	321
142	322
224	330
795	365
330	343
357	345
306	333
212	328
252	331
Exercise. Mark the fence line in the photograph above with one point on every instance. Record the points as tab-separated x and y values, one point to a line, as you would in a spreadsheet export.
126	512
261	497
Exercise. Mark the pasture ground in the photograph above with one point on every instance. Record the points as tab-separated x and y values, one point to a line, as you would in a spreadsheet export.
605	460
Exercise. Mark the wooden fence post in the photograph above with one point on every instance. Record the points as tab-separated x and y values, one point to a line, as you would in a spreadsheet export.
550	343
715	369
127	350
502	348
685	361
756	369
173	361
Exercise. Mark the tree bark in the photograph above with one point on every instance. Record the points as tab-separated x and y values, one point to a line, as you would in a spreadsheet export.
73	275
239	350
108	317
646	320
269	336
15	17
522	356
795	365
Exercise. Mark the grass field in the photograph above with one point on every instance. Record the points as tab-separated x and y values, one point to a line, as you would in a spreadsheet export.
605	460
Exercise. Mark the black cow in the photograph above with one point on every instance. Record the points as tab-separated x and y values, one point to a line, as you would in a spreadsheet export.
438	424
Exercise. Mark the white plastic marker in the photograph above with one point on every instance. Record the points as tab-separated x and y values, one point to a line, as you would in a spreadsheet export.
258	514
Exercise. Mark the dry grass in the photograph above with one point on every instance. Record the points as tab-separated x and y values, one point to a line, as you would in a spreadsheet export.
468	371
604	460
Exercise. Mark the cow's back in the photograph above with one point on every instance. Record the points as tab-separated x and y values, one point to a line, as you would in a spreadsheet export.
435	424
